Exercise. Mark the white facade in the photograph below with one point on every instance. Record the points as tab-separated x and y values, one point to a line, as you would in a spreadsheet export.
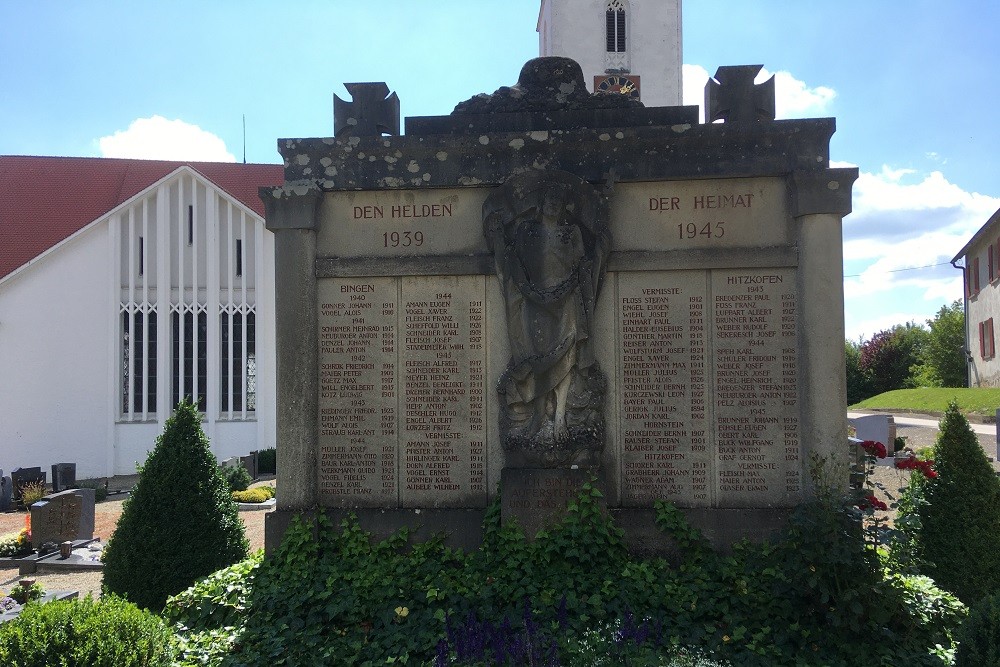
83	324
981	257
579	29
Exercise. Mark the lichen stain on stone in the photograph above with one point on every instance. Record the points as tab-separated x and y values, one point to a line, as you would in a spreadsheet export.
353	141
539	135
468	180
833	185
330	171
398	154
484	140
442	156
604	136
307	171
326	162
819	158
683	127
516	144
619	135
372	158
301	189
390	159
413	167
302	159
426	177
391	182
386	143
361	155
329	141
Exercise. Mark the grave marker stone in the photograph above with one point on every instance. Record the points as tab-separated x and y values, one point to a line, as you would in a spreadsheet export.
67	515
6	493
63	476
548	286
22	476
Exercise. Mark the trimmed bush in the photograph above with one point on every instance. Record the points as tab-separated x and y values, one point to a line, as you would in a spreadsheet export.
267	461
979	636
959	533
109	632
179	523
255	495
237	478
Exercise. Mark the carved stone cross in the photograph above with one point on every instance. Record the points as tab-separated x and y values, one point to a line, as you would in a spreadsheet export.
373	112
733	96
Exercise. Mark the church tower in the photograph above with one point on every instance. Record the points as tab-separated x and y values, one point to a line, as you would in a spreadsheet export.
627	46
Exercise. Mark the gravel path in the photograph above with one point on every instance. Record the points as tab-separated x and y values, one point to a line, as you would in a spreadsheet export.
105	518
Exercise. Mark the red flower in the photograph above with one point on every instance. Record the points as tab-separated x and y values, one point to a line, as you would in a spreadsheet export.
876	449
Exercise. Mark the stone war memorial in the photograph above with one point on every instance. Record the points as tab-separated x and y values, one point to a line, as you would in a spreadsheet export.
549	286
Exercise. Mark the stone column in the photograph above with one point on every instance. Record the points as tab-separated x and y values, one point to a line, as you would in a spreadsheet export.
292	216
819	201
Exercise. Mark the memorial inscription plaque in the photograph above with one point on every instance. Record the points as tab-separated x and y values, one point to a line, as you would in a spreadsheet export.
469	302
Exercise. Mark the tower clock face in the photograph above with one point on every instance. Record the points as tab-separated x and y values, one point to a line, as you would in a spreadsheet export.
623	84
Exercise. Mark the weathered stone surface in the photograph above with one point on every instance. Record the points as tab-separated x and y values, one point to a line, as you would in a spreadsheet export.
718	326
537	497
545	84
549	236
67	515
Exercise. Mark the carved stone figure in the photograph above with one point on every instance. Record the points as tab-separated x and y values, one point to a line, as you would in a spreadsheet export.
549	237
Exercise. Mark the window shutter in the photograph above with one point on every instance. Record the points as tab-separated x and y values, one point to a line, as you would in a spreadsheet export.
991	345
610	16
621	30
989	254
975	275
982	340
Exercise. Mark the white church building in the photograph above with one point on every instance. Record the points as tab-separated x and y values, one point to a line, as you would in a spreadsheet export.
125	286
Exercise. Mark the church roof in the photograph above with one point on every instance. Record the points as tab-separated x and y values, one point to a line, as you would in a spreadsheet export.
44	200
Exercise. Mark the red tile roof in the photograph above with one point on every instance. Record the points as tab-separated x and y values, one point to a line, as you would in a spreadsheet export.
44	200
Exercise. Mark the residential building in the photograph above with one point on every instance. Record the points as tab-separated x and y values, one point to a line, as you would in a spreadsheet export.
980	259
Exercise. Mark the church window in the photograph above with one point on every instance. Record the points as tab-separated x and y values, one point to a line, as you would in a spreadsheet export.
615	26
239	362
190	357
190	225
138	362
239	257
142	256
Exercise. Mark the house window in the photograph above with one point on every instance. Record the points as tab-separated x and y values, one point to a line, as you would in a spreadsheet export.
987	346
615	26
239	362
190	357
138	362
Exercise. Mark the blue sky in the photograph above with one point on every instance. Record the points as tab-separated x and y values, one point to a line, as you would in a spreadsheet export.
914	85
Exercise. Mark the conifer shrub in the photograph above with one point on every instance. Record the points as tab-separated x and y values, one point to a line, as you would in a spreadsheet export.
109	632
979	636
959	533
237	478
179	523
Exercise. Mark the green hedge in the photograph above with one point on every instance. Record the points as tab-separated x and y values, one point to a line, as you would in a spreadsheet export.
83	633
816	596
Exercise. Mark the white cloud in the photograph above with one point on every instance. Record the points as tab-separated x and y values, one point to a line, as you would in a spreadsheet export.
793	98
157	138
905	228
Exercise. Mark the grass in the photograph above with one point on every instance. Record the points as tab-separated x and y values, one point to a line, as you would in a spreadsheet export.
976	401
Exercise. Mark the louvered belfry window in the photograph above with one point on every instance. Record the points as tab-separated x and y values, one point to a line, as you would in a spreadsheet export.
615	21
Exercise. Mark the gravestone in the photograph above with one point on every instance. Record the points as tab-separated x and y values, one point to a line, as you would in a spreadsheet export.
6	493
548	287
250	463
880	428
63	476
67	515
22	476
